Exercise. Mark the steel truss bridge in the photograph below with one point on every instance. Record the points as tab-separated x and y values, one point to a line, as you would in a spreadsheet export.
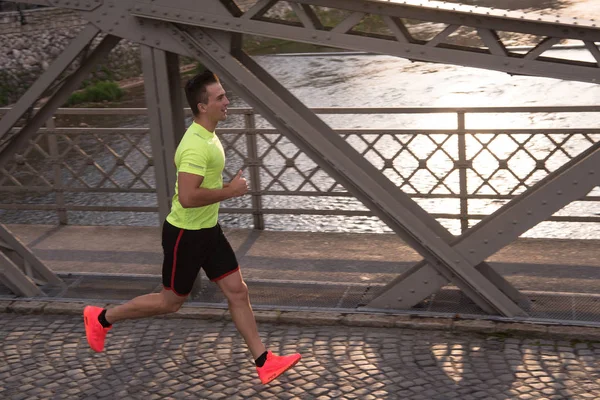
211	31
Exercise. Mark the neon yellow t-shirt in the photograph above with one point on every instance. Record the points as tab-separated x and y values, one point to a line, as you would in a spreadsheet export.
200	153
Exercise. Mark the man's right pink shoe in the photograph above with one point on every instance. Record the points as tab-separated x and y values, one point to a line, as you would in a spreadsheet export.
94	331
276	365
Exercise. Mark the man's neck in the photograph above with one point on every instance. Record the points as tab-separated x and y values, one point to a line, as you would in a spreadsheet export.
206	124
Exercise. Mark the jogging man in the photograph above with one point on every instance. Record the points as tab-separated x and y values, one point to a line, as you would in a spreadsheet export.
192	238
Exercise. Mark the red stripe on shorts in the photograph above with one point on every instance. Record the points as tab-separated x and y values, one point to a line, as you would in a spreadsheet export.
175	261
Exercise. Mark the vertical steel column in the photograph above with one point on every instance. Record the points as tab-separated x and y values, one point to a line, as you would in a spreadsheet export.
166	119
254	167
462	172
56	164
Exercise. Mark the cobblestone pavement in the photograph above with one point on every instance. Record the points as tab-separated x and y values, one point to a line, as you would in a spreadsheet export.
47	357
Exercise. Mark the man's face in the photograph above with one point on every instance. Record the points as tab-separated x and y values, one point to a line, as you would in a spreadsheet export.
216	108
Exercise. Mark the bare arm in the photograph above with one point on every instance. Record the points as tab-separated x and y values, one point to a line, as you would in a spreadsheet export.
192	195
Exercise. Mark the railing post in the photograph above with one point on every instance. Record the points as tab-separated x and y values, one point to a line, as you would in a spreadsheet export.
56	167
462	172
254	167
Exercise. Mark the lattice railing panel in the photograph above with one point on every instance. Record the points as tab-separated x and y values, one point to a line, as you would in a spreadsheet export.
94	166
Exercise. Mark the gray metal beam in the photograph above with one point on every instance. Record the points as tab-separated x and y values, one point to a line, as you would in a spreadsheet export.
36	265
569	183
165	112
16	281
116	19
63	61
73	82
345	165
512	63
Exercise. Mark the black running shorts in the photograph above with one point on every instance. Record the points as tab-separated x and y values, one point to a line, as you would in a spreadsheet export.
186	251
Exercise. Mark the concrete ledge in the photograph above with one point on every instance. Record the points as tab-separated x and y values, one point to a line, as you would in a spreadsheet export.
64	308
5	305
474	326
317	318
514	327
427	323
309	318
198	313
575	332
27	307
267	316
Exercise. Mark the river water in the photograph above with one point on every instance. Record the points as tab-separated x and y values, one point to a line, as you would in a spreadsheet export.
341	80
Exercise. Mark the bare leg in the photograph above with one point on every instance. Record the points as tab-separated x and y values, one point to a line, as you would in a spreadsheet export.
147	305
236	291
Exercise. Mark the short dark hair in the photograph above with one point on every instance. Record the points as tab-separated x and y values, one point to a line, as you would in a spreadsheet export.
195	89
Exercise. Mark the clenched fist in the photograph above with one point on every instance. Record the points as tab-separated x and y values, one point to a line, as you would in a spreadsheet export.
238	185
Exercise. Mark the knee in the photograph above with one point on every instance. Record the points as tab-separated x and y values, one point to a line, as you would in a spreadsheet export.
238	294
169	306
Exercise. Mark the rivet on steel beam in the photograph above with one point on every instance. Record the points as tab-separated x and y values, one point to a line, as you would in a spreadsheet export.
592	172
515	222
412	291
544	202
426	283
529	212
500	232
575	182
472	251
485	241
399	299
559	192
457	261
143	37
157	42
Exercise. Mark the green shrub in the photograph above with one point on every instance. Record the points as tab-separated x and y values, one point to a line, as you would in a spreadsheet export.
98	92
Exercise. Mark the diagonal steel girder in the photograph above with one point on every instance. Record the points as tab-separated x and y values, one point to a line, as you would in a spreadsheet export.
495	56
72	83
66	58
571	182
20	269
346	165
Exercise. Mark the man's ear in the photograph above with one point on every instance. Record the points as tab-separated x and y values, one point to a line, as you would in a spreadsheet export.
201	107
